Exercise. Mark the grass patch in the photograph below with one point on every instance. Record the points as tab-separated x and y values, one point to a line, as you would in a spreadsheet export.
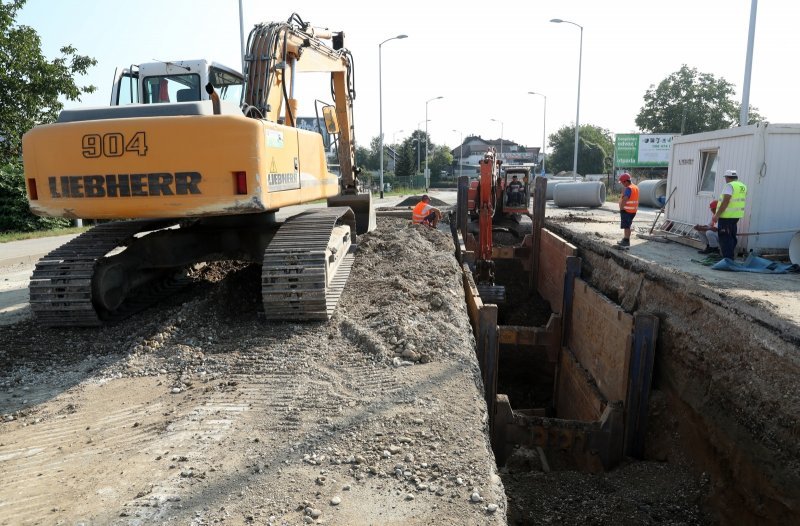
5	237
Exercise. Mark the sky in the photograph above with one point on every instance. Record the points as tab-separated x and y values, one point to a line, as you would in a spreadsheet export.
482	57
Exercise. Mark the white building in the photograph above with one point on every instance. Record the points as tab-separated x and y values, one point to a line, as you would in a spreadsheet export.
766	158
474	148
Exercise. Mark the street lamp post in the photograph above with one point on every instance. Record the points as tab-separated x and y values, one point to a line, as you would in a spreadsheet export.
578	110
501	137
460	154
544	126
416	140
427	176
380	100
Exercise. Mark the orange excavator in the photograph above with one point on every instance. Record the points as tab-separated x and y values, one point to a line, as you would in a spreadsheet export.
202	180
495	203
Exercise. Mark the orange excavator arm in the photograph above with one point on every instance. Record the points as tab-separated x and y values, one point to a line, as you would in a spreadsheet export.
487	194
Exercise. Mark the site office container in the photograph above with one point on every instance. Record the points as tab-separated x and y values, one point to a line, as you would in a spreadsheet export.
766	158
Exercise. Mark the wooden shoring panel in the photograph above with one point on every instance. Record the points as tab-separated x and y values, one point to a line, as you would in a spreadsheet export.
553	254
488	355
548	337
472	296
594	445
641	377
577	397
601	336
537	224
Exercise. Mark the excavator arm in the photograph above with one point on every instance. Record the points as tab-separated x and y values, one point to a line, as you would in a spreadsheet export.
276	53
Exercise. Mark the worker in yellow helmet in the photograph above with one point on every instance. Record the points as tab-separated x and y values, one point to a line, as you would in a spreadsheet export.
730	209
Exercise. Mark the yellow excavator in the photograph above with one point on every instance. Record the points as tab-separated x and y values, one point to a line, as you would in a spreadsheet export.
201	180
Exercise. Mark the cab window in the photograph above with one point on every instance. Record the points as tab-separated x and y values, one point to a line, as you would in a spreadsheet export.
128	89
171	88
228	86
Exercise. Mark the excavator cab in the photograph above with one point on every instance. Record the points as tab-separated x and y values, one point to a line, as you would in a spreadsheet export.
178	81
515	183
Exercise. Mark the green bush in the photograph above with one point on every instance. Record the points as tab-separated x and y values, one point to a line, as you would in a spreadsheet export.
15	214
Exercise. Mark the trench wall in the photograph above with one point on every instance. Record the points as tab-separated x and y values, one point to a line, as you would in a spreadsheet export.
725	397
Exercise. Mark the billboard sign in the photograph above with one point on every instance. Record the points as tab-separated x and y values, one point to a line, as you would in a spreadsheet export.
634	150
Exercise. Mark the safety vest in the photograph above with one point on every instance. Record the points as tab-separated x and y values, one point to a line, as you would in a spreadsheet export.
420	212
735	208
632	204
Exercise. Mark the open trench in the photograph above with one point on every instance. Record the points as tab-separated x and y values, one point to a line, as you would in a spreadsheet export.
719	408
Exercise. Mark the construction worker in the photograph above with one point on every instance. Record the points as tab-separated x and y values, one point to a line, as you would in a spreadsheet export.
710	233
425	214
730	208
628	205
516	191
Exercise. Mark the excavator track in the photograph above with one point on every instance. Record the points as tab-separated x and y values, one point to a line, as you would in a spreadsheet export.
61	284
306	265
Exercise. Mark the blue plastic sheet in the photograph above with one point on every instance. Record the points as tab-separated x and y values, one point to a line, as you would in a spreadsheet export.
756	264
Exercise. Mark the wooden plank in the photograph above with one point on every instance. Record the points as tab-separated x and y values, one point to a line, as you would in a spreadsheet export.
601	337
640	378
462	216
548	336
537	219
503	418
578	398
552	254
472	297
488	354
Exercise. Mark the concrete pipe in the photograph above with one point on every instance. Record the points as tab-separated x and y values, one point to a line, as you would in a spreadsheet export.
652	192
794	249
552	182
551	186
591	194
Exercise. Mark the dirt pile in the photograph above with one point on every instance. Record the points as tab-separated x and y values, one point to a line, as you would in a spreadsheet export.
198	412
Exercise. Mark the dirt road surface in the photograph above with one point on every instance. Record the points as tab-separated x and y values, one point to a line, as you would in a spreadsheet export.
197	412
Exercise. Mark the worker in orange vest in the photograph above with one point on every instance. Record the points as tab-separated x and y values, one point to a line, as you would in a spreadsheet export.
425	214
628	205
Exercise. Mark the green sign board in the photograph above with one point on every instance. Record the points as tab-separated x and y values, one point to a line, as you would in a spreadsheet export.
633	150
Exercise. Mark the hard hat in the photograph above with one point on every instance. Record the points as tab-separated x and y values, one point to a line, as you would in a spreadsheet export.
713	205
625	177
731	173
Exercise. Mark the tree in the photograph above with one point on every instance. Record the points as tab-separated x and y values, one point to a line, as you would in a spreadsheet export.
688	101
441	160
594	147
30	88
406	162
30	85
15	215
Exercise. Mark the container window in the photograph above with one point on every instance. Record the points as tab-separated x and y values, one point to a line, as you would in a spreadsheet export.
708	171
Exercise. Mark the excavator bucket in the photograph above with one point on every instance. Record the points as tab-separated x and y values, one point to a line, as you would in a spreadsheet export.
362	207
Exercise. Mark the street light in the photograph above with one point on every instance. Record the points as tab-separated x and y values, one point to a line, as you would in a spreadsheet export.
394	136
380	100
427	177
544	125
416	140
578	110
501	137
460	152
